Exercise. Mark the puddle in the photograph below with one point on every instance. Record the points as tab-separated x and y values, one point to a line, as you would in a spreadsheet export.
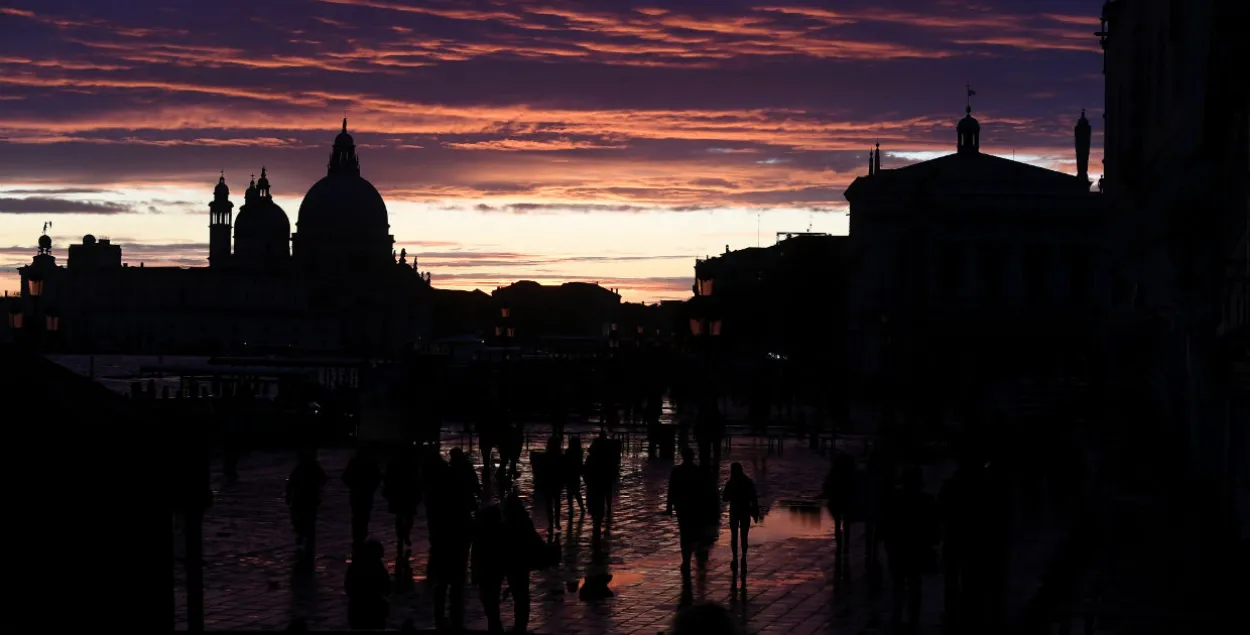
619	579
790	520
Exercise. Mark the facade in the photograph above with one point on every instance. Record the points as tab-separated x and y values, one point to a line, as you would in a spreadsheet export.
1176	170
781	300
776	316
334	285
966	271
544	316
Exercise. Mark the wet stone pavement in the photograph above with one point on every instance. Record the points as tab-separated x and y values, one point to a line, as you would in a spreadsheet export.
250	582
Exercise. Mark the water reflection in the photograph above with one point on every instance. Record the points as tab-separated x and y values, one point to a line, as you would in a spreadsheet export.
792	520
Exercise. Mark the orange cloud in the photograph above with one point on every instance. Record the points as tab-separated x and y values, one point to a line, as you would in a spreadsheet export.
514	145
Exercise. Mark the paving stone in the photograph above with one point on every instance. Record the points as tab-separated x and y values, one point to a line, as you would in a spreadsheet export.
791	588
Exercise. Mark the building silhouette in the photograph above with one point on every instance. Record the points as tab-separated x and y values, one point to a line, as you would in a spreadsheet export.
334	285
966	271
781	310
1176	170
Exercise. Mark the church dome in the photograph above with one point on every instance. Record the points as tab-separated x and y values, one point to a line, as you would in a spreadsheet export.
342	221
343	204
222	190
261	217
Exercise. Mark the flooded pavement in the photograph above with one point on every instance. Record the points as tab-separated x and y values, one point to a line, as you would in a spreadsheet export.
249	550
791	520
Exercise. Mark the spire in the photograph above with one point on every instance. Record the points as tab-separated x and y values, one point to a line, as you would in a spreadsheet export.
876	159
870	170
1083	134
251	189
344	124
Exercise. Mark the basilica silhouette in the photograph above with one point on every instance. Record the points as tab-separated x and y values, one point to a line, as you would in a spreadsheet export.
334	285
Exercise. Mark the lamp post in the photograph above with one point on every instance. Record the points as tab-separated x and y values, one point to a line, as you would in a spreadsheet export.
34	284
609	414
705	330
505	332
30	328
15	318
52	326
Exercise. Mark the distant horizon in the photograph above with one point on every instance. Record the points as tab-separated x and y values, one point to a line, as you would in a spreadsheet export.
595	142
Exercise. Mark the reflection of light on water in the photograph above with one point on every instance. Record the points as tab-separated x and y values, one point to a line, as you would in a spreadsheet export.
619	579
785	521
625	579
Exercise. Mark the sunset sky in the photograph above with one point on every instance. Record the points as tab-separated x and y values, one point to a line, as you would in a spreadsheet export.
611	141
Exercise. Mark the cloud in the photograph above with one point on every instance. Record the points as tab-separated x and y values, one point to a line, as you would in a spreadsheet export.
528	108
528	145
53	191
48	205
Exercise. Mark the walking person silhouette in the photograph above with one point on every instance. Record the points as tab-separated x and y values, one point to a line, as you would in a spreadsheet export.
573	468
744	506
401	489
910	532
362	477
686	487
449	507
303	496
368	586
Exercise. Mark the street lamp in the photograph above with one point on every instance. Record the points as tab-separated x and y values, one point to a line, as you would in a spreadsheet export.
34	283
52	321
705	286
15	317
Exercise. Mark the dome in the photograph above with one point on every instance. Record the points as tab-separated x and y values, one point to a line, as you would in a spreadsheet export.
343	204
88	239
342	219
968	123
261	217
45	242
222	189
262	234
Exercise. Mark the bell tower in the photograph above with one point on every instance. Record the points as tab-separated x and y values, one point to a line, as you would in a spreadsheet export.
220	220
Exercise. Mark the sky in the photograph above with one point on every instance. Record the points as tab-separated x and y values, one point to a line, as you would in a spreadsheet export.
613	141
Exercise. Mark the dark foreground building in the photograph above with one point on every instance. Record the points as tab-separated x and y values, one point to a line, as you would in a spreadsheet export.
970	274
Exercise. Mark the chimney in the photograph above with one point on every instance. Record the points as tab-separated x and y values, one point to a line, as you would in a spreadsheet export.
1082	147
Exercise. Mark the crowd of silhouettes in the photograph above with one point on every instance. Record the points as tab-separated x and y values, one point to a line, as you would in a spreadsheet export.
488	536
